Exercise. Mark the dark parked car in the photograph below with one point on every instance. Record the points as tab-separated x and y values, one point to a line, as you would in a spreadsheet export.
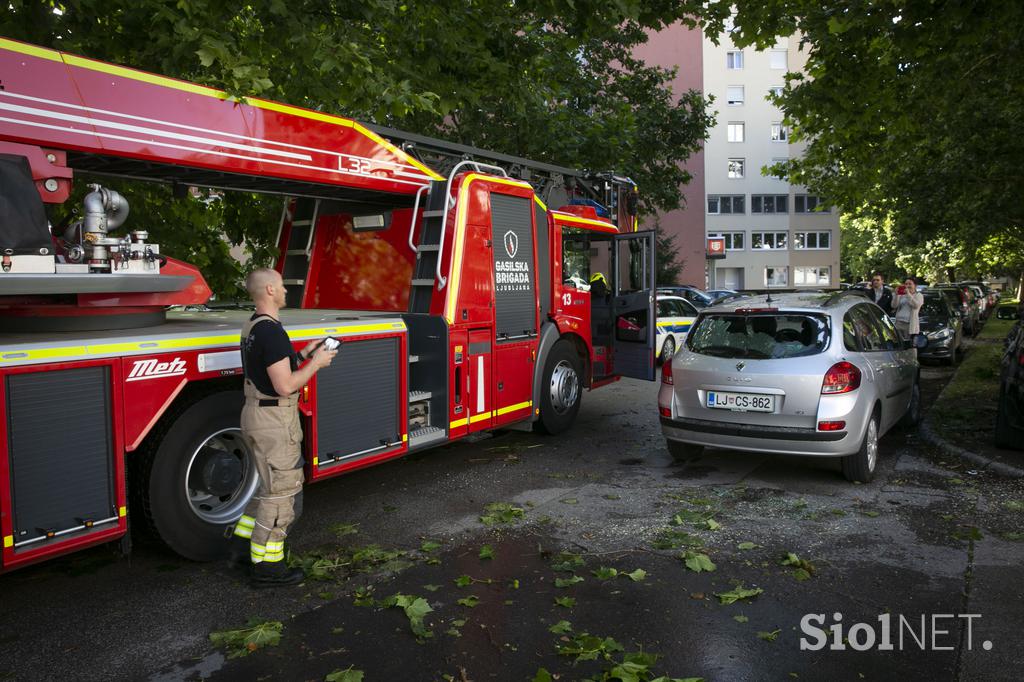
1010	412
697	297
943	328
962	300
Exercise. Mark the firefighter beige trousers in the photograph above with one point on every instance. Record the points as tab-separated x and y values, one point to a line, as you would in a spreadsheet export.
274	436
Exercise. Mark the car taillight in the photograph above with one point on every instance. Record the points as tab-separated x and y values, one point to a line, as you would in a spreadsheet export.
831	425
841	377
666	373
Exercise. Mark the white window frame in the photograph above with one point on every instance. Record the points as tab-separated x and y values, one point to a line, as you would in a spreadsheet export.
802	237
774	234
776	90
779	133
797	198
774	199
819	275
773	61
732	102
734	60
717	198
736	168
785	271
734	127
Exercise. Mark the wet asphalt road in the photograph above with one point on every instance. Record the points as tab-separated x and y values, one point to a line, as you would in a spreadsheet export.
928	536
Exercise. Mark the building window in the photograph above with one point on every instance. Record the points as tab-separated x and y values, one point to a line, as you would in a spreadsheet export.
734	95
776	276
808	203
779	133
769	241
814	276
726	204
812	240
733	240
734	60
775	91
736	132
736	168
769	203
777	59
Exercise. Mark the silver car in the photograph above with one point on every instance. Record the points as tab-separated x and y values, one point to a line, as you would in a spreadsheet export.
797	374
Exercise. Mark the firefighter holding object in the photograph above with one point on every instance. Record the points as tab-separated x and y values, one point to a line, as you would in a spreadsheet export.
271	429
599	285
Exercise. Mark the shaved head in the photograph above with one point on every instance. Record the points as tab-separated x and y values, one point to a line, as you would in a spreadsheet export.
258	281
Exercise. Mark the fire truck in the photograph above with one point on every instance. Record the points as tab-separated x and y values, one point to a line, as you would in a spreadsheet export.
459	290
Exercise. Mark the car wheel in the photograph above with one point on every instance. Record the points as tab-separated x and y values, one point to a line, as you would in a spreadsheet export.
561	389
684	452
860	466
912	417
668	349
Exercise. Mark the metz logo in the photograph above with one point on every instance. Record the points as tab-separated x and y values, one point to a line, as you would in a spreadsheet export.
152	369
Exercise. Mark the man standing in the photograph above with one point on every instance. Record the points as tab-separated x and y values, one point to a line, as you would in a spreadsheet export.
880	294
271	428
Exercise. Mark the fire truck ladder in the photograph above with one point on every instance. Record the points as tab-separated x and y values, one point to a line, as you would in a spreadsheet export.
298	222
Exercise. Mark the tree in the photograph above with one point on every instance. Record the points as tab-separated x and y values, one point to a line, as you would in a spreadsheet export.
667	265
905	107
541	79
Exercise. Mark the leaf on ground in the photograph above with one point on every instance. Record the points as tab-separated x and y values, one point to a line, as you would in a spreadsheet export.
542	676
738	593
697	562
871	513
587	647
416	608
802	569
1014	505
568	582
800	504
570	500
325	595
955	481
740	619
349	674
486	552
1013	536
343	529
561	627
430	546
255	635
970	533
669	538
470	601
747	545
567	562
712	524
500	512
769	636
801	575
566	602
612	497
605	573
637	576
463	581
431	588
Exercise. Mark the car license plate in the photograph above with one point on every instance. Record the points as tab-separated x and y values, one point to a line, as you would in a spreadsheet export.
741	402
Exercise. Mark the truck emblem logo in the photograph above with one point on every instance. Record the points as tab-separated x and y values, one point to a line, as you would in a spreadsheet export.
154	369
511	243
740	366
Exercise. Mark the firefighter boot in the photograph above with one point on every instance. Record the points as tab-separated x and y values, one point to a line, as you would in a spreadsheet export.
275	573
238	554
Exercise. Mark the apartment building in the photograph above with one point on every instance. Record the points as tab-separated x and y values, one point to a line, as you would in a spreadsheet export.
776	235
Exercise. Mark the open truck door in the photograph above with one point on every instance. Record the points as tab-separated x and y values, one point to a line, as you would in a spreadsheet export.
633	337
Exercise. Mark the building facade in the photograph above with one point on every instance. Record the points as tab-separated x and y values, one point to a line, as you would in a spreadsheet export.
776	235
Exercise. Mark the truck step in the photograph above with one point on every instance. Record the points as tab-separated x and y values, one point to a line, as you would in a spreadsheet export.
414	358
426	436
425	247
433	214
295	282
417	396
423	282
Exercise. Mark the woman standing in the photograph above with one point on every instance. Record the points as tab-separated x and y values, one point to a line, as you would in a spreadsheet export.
906	304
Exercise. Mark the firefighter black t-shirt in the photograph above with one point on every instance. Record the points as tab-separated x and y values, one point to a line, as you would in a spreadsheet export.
266	344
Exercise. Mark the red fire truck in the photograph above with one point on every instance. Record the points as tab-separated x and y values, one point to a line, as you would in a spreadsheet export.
461	295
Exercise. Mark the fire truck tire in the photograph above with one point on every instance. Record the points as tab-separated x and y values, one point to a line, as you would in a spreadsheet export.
198	476
561	388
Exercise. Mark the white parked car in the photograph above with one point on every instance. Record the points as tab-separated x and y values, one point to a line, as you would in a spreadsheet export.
675	315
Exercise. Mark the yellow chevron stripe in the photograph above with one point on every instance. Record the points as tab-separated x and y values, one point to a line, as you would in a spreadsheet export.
514	408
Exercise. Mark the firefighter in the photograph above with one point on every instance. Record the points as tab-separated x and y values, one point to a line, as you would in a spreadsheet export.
270	427
599	285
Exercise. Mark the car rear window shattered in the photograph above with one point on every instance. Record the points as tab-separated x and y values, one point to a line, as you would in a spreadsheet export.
759	336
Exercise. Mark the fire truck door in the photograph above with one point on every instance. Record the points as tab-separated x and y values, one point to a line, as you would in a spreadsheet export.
633	305
515	306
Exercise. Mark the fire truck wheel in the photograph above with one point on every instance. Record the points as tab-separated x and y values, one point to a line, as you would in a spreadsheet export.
561	389
201	476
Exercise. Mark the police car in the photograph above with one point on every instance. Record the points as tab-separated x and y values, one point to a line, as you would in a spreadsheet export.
675	315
